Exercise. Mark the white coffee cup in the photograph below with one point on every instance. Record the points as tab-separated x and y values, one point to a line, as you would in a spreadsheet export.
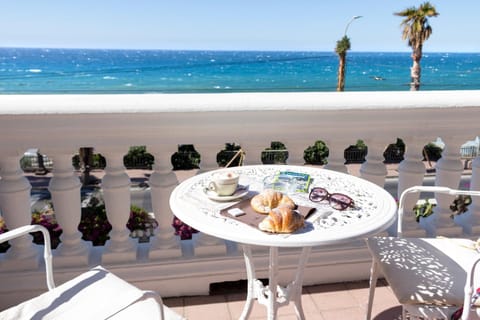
224	184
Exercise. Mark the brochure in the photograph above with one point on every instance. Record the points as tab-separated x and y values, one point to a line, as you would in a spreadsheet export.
292	181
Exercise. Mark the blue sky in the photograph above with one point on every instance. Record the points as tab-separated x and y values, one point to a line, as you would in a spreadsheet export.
312	25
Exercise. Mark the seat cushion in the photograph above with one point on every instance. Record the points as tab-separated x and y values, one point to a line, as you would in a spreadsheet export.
96	294
424	270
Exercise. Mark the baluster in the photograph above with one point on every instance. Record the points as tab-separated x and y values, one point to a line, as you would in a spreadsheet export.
15	206
373	169
470	220
116	193
206	245
65	190
295	153
449	169
411	173
208	157
253	152
336	156
162	182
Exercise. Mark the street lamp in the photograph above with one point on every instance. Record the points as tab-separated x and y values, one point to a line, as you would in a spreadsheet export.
350	22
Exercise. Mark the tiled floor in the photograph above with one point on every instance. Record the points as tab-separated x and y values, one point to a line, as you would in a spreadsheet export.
322	302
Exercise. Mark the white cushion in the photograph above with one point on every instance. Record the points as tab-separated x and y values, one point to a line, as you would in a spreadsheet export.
424	270
96	294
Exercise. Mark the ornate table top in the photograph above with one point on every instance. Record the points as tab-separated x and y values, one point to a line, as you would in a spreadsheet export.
375	209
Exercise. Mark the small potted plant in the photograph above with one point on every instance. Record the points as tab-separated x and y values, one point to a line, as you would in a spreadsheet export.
316	154
231	156
276	153
185	158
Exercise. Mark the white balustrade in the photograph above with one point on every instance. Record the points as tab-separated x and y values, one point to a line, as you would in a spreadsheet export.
15	206
470	220
448	173
116	194
162	181
253	151
113	123
373	169
65	188
295	152
411	173
336	156
206	245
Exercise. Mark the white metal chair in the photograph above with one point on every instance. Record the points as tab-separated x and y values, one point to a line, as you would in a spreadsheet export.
431	277
95	294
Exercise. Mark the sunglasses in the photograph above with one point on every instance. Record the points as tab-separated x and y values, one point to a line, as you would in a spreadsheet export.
337	201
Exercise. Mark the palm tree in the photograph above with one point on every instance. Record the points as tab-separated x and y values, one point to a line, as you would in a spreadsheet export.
416	30
343	45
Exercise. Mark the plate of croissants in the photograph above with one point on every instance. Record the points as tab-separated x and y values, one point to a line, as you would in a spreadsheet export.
270	211
281	209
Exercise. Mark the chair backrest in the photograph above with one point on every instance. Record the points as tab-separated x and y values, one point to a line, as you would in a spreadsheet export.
472	267
418	189
47	251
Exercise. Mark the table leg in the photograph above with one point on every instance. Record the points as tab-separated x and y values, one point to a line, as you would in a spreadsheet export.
247	255
297	283
273	296
272	284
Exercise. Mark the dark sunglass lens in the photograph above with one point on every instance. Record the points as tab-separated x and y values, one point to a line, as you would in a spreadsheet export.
318	194
340	201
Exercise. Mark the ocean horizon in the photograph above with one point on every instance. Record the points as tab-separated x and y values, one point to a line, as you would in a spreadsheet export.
101	71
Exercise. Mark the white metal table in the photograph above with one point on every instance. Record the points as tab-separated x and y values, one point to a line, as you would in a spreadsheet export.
375	210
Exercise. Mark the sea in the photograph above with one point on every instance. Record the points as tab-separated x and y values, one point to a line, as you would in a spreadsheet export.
89	71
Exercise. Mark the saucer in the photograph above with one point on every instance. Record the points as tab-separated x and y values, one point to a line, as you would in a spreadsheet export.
239	193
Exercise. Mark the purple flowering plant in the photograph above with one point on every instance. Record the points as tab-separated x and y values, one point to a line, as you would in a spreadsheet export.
46	218
183	230
94	224
3	228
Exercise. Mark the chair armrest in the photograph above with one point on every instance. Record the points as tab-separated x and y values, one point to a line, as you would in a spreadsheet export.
469	288
47	252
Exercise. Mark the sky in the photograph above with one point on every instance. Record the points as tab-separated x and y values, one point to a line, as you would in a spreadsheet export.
301	25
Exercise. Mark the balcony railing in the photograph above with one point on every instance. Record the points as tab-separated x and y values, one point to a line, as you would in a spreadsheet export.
58	125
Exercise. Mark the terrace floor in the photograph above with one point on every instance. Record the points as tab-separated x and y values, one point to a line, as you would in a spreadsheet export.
320	302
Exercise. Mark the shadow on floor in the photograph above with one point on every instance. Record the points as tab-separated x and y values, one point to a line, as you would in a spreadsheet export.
394	313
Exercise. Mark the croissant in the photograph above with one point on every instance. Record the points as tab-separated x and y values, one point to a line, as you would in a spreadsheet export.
282	220
268	199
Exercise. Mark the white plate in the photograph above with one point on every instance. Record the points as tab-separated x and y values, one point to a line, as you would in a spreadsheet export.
241	192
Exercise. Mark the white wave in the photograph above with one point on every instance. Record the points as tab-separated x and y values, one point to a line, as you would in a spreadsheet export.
109	78
34	70
128	85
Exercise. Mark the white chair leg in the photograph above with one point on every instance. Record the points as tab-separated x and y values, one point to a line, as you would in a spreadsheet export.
373	285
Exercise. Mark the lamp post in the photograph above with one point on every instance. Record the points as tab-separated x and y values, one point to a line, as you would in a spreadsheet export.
349	23
343	45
